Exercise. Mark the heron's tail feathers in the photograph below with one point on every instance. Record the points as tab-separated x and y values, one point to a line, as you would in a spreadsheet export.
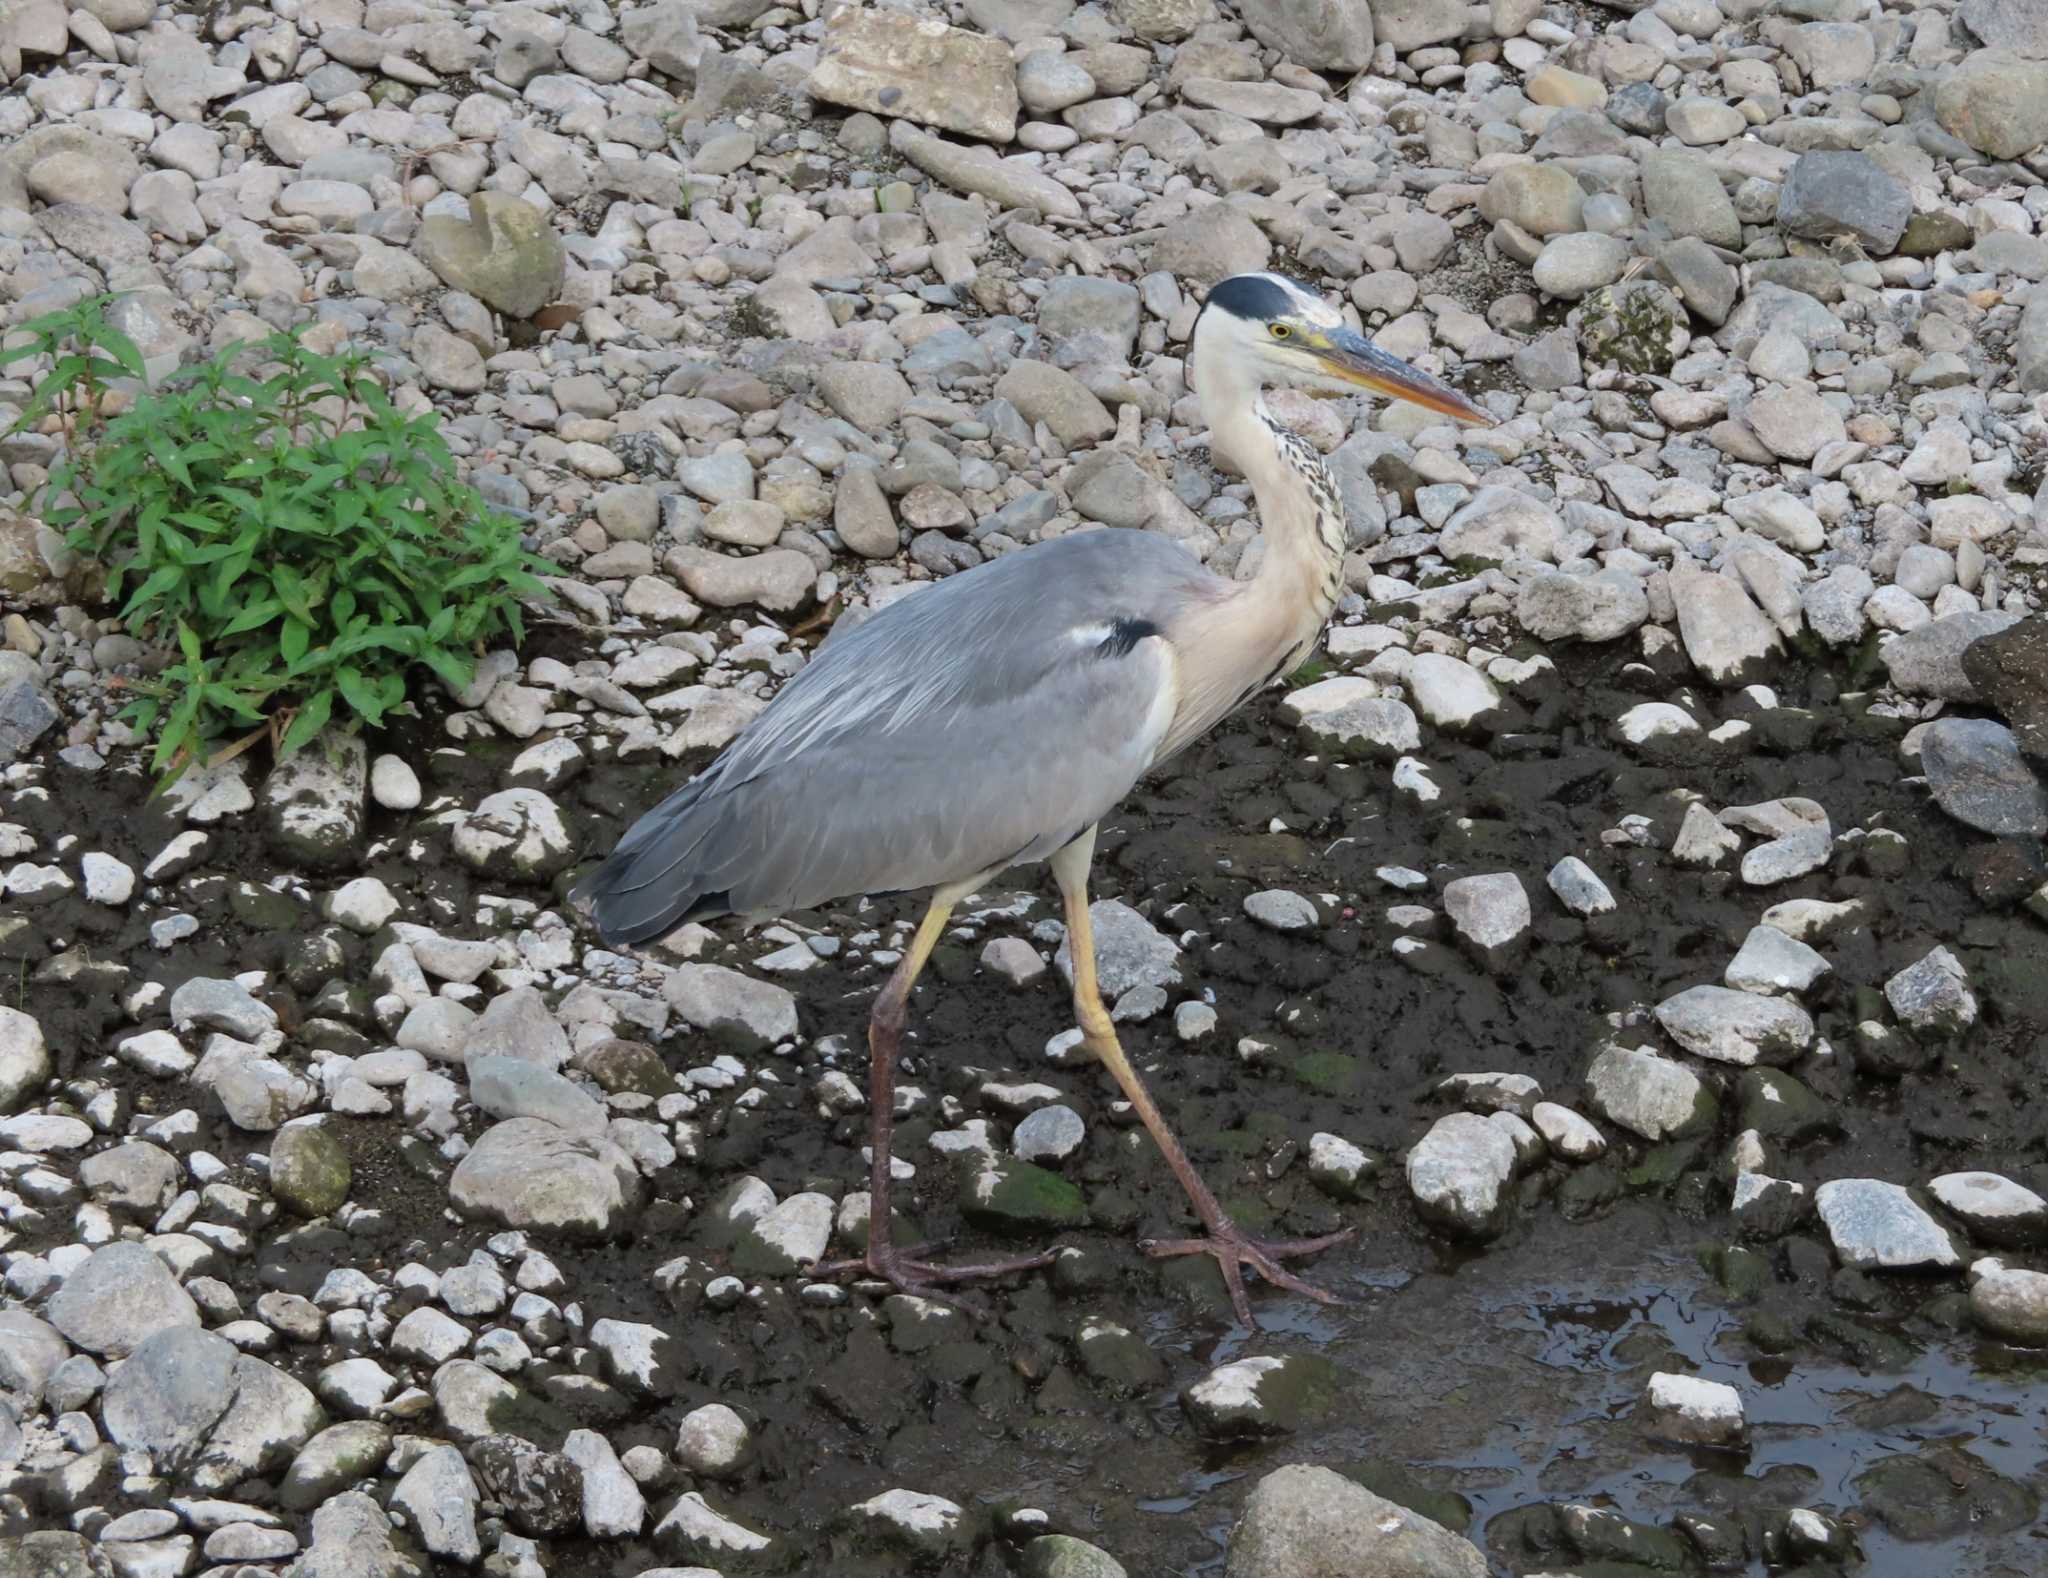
669	868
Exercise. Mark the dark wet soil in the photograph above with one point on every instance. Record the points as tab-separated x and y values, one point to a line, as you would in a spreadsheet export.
1484	1386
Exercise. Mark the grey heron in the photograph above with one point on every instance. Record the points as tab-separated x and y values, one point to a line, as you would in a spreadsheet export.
994	718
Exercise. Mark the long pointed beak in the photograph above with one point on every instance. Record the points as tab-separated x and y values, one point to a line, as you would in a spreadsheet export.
1357	360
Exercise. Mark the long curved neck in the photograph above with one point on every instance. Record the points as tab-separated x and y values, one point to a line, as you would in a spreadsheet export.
1301	513
1228	648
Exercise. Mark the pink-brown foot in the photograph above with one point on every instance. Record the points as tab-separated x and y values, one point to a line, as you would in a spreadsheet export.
1233	1250
904	1271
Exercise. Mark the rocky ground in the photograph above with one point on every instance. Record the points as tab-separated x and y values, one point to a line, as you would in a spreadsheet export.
1635	924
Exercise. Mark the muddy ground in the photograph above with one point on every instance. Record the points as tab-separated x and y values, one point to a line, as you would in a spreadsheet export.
1483	1386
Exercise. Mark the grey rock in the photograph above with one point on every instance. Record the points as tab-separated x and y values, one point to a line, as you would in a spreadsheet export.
1051	1134
352	1539
518	1024
1706	285
1502	524
271	1417
1578	263
1993	1208
1578	888
1210	244
1063	1556
1978	776
2016	26
506	254
31	1350
118	1298
1604	606
338	1457
313	802
515	832
1828	195
1932	995
1044	393
664	35
1459	1173
166	1396
528	1173
26	715
1086	321
2010	1303
1324	36
613	1507
1995	102
24	1059
210	1003
1684	191
1737	1027
1130	952
919	70
1649	1095
1728	638
440	1498
514	1087
1490	914
1542	199
1770	961
781	579
541	1491
752	1015
976	171
1881	1226
2010	671
1307	1522
1278	909
1929	661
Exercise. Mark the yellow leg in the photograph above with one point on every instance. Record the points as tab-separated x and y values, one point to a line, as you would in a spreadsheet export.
1225	1241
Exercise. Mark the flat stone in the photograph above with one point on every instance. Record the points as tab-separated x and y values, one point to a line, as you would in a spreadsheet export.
1741	1028
120	1296
919	69
1978	776
1653	1096
1880	1226
1993	1208
506	255
1306	1520
528	1173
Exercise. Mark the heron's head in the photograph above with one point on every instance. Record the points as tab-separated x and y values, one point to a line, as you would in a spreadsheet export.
1282	332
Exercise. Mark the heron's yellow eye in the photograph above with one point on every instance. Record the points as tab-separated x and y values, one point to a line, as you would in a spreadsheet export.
1281	331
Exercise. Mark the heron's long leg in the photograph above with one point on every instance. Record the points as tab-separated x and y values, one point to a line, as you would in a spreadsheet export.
1226	1241
885	1040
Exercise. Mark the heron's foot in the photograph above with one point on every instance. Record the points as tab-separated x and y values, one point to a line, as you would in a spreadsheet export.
1233	1250
907	1272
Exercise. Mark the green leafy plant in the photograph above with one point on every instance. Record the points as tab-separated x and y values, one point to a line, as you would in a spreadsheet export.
270	514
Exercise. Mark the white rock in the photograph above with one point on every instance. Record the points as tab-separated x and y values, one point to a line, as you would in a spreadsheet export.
1578	888
1880	1226
1699	1412
1566	1132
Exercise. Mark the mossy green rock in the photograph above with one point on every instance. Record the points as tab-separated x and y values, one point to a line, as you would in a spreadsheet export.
1063	1556
1117	1359
1779	1107
620	1066
507	255
309	1169
1013	1194
1944	1492
1261	1396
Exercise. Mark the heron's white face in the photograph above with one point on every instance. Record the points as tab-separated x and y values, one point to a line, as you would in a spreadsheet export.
1290	336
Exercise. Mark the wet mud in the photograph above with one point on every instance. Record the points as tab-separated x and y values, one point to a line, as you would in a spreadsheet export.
1488	1386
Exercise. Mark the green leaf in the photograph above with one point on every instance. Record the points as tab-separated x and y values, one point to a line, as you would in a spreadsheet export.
311	720
253	615
293	640
359	694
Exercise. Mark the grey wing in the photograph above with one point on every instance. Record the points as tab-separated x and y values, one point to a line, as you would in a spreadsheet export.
985	721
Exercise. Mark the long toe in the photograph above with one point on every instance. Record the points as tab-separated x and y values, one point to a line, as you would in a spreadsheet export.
1232	1250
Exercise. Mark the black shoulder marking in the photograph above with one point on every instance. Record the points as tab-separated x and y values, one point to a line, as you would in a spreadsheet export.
1124	634
1252	296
